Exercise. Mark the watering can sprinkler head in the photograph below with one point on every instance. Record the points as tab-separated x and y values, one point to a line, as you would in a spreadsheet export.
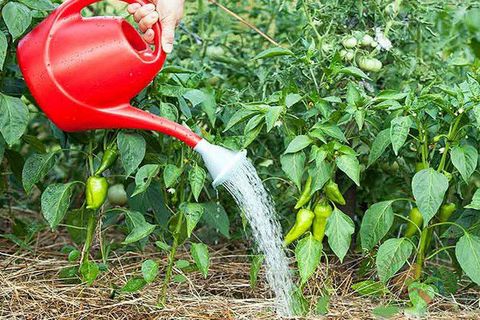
220	162
83	72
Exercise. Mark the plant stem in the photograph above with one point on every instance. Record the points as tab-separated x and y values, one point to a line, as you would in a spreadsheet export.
92	223
171	260
423	246
451	134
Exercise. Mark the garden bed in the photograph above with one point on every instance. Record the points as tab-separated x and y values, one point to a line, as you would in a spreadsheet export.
31	289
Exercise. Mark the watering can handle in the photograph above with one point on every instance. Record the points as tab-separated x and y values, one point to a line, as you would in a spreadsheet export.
73	7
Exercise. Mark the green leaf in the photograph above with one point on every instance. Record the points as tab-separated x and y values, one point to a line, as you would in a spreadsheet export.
399	129
168	111
197	177
3	49
292	98
132	150
17	17
475	204
193	212
376	222
36	168
273	52
257	261
89	271
149	270
390	95
429	187
271	116
386	311
293	165
298	143
307	253
139	227
144	177
467	252
350	166
379	145
182	264
170	174
339	230
55	202
321	173
420	295
207	101
238	117
134	285
391	257
332	131
13	118
370	288
74	255
199	252
465	158
354	71
321	307
42	5
215	216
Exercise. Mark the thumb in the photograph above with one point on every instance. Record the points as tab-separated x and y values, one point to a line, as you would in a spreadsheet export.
168	34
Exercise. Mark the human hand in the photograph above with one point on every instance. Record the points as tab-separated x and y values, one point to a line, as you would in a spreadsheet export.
169	12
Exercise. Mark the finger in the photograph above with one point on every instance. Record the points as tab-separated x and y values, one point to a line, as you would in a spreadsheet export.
143	11
168	34
149	35
148	21
132	8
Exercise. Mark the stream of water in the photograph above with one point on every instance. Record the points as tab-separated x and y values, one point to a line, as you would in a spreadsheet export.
244	184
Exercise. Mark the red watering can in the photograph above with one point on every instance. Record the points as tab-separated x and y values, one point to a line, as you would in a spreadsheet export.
83	72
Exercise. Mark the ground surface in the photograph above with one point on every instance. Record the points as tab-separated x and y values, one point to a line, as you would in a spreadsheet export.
30	288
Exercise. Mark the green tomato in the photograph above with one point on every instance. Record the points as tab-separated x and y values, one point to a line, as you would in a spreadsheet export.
366	41
215	51
350	42
117	195
370	64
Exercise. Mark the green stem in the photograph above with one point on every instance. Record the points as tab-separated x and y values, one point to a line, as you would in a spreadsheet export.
451	135
425	238
171	260
91	224
438	251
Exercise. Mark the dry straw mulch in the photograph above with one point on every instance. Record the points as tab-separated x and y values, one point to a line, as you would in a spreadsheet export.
30	288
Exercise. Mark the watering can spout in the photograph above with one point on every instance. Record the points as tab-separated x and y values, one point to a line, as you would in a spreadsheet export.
220	162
